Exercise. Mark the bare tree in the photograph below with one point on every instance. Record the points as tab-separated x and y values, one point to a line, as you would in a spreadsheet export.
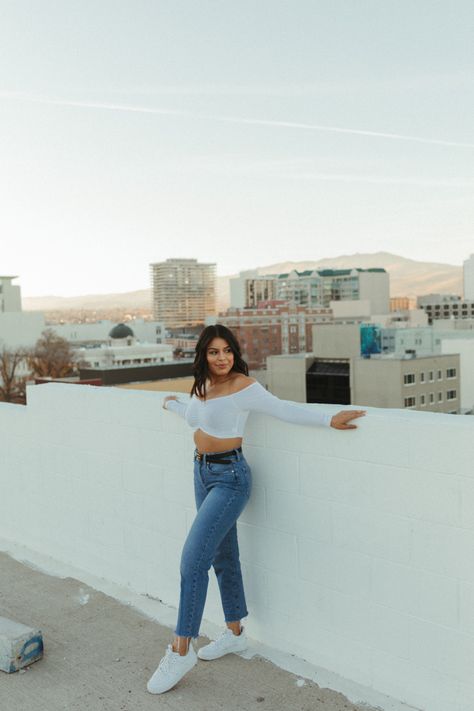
52	356
12	385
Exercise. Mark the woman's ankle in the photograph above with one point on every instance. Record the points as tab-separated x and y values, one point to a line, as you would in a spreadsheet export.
235	627
181	645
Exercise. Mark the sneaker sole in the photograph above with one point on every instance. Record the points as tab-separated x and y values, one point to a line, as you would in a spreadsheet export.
168	688
219	656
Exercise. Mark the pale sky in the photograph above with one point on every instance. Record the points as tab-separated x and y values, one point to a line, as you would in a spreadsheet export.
243	133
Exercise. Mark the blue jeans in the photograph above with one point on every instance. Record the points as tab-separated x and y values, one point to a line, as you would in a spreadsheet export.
221	492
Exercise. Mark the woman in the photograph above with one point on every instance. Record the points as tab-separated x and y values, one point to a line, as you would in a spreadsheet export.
221	398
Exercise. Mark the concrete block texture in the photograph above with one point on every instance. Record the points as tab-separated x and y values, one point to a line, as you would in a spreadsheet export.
20	645
356	546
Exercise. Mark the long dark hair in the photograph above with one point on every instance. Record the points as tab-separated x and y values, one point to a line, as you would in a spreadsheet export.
200	367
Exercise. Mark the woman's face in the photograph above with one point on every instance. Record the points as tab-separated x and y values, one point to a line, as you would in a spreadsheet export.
220	359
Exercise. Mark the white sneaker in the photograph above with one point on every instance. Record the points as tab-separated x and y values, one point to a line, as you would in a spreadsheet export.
171	669
227	643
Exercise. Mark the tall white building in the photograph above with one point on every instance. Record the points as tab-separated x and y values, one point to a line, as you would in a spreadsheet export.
18	329
183	292
10	295
468	278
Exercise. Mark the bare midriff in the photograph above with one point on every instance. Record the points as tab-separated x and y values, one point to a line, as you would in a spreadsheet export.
206	443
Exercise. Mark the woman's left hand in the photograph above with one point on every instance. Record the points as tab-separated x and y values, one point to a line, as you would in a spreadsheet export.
340	420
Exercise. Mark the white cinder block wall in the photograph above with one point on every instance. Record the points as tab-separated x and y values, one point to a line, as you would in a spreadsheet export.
357	547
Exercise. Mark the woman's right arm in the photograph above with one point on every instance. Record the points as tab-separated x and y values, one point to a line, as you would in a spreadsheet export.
172	403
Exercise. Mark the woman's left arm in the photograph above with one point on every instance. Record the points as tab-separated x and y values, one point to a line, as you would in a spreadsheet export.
257	399
341	419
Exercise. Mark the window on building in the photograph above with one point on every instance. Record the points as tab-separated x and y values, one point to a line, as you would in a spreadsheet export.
451	395
431	398
431	376
422	400
440	375
451	373
422	377
410	402
409	378
440	397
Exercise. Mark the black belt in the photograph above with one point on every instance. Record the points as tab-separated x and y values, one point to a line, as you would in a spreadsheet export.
217	457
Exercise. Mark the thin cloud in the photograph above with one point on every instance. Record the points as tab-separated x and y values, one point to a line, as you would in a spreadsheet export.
236	120
379	180
301	170
419	82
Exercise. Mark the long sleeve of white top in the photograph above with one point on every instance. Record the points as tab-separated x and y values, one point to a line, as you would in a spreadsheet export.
256	399
176	406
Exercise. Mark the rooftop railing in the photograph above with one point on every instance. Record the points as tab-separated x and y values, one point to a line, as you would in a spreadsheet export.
357	547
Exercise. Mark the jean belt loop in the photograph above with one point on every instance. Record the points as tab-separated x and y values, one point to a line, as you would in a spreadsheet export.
238	454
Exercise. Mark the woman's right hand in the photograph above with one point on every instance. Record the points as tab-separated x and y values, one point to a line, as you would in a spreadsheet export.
168	397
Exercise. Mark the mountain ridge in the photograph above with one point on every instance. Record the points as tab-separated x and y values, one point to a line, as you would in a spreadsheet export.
408	277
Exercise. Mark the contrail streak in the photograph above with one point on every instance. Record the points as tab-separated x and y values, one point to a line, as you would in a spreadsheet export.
236	120
337	129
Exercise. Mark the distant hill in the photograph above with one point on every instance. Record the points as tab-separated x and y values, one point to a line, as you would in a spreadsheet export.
408	277
128	299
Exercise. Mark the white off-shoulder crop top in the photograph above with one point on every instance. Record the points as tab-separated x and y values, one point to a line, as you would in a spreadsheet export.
225	416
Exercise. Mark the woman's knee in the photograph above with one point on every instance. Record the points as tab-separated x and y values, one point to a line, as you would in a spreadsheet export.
192	562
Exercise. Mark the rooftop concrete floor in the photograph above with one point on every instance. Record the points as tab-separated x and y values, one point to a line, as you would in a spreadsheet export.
99	654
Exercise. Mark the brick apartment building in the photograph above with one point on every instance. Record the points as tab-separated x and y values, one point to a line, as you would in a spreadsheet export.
273	328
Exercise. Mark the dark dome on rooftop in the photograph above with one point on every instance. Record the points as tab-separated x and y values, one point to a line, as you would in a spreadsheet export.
121	331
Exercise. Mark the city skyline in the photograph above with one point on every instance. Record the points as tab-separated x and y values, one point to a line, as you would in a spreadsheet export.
137	133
